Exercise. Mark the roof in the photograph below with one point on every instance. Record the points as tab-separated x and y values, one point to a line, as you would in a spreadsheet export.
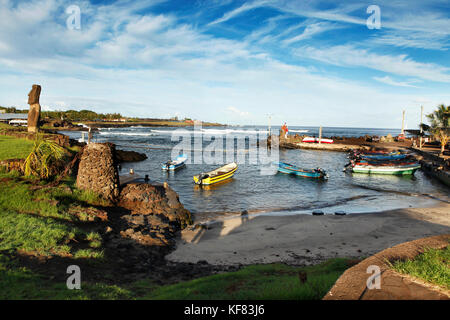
11	116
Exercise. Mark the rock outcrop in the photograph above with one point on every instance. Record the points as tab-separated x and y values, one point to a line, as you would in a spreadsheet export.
156	213
97	170
130	156
35	108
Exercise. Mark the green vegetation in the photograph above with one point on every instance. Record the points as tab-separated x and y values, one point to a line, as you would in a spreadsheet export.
14	148
13	110
42	221
263	282
42	157
258	282
440	125
431	266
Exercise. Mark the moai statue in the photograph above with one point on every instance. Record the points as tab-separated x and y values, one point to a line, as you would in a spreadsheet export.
35	108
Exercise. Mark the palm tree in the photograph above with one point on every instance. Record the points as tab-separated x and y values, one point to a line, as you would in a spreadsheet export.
439	125
44	154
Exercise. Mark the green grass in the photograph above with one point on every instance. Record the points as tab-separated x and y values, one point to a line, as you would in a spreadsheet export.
433	266
261	282
257	282
39	221
14	148
18	282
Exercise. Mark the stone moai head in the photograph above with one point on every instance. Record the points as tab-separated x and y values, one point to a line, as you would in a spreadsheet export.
33	96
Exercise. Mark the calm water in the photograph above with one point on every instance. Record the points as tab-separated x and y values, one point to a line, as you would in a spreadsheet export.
249	190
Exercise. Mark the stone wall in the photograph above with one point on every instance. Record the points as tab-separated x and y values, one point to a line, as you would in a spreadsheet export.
352	285
97	170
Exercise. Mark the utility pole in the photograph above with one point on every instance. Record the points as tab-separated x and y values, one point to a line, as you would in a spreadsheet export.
403	122
421	127
320	135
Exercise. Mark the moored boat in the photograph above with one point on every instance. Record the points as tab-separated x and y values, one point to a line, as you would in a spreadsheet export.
220	174
307	173
384	157
386	169
179	162
316	140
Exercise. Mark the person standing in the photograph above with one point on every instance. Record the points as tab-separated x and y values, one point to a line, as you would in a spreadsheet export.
285	130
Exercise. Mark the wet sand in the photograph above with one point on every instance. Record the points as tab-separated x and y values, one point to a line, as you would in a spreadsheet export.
306	239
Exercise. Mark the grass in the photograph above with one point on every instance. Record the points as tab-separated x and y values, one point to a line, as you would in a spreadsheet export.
256	282
39	221
432	266
260	282
14	148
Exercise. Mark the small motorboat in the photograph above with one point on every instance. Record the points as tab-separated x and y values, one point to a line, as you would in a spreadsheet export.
225	172
407	169
179	162
307	173
316	140
384	157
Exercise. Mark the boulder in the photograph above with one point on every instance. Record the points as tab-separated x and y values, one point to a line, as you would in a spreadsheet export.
160	200
97	170
130	156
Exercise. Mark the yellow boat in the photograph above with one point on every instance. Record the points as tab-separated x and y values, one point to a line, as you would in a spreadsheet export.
220	174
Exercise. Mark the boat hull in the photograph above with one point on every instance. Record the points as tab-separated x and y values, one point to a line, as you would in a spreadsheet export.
180	162
291	169
216	178
384	157
406	170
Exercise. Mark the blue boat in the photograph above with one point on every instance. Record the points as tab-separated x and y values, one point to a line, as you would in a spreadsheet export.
307	173
173	165
384	157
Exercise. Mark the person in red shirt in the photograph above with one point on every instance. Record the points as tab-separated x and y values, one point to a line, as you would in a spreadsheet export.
285	130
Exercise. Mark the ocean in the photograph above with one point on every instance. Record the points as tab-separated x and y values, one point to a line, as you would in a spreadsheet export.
257	187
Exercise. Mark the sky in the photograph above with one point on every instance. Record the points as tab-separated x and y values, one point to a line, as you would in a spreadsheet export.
305	62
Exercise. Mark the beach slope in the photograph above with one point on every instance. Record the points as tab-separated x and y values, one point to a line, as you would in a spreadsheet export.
306	239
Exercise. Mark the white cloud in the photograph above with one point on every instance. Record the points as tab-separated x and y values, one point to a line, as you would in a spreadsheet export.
310	31
238	112
347	55
388	80
244	8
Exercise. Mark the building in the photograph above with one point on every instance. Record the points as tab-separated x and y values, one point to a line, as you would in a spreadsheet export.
18	119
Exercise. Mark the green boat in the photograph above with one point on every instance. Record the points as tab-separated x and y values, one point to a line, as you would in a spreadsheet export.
392	170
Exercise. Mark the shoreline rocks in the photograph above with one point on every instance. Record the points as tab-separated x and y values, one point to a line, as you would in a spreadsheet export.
130	156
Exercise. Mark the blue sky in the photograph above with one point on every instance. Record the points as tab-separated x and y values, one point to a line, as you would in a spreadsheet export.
305	62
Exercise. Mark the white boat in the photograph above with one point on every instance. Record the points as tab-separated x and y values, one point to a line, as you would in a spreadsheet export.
316	140
175	164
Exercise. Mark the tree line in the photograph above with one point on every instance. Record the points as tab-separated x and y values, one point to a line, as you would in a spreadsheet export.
70	115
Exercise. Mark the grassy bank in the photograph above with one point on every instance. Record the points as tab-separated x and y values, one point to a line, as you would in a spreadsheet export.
431	266
14	148
261	282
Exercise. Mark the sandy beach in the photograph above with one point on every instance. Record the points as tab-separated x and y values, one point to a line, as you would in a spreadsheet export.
306	239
